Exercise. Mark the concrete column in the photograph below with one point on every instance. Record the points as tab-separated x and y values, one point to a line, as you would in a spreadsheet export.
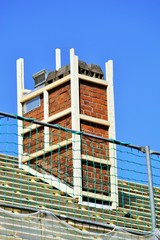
58	58
112	133
76	144
20	90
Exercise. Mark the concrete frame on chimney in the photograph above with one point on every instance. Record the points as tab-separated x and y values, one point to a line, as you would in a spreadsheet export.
73	77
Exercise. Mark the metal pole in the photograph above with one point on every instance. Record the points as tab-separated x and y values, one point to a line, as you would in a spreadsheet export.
150	185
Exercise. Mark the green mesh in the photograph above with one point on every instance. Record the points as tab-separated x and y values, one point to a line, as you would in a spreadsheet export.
57	183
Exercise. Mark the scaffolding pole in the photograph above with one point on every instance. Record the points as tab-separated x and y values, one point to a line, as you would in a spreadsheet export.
150	184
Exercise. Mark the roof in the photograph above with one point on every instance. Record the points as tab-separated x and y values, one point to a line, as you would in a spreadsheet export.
21	192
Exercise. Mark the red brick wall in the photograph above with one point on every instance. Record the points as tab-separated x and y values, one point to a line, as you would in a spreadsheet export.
92	146
58	135
33	141
93	100
96	178
59	98
94	128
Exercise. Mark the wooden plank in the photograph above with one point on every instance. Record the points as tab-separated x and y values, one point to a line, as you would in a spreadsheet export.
35	199
28	180
48	120
36	196
93	80
95	159
97	196
46	150
129	192
137	188
94	120
125	183
39	91
27	189
4	165
8	157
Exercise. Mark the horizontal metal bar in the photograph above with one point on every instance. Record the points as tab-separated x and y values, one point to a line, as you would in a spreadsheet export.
154	153
32	120
114	141
56	126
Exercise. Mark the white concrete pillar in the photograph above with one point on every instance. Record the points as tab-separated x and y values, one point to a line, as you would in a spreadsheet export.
112	133
20	90
46	115
58	58
76	144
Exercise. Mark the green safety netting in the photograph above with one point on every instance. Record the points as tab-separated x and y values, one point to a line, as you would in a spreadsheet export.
60	184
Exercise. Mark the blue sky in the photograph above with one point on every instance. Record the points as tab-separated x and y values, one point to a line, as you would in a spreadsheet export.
126	31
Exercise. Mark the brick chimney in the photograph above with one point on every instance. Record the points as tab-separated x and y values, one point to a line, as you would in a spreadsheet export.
77	97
